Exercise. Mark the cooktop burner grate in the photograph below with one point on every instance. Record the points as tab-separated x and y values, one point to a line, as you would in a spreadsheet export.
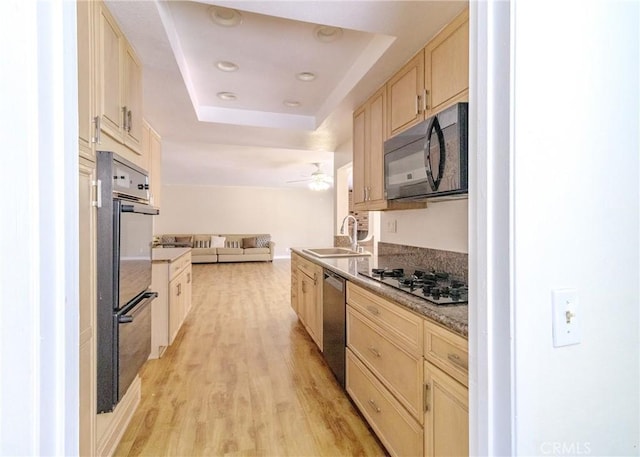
437	287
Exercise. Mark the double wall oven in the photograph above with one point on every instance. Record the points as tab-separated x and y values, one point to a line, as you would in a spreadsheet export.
125	231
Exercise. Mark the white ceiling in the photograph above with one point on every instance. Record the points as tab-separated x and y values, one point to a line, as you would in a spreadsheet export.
256	140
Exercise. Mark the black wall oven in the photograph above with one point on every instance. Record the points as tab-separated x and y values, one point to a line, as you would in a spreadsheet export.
429	159
125	231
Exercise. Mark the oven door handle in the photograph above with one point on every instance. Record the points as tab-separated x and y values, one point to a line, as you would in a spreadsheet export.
138	208
126	316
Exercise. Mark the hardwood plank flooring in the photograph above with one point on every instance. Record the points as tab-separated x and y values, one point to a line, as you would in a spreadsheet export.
243	378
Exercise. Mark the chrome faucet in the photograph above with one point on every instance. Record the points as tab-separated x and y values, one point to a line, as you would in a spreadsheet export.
353	237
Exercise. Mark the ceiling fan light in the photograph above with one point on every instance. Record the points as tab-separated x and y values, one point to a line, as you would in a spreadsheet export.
319	185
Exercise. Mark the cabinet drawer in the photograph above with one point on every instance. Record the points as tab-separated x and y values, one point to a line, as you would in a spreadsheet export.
399	370
179	264
404	327
310	269
447	351
398	431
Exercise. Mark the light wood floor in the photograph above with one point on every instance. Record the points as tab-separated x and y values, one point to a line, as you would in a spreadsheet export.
243	378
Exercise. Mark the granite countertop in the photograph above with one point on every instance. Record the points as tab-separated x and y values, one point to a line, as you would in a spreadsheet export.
168	254
455	318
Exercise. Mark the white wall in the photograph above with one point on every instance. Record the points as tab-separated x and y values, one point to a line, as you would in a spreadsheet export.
293	217
576	225
442	225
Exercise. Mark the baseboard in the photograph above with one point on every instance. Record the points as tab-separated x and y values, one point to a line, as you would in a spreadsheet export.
111	426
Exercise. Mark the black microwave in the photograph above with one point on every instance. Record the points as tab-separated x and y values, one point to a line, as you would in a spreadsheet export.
430	159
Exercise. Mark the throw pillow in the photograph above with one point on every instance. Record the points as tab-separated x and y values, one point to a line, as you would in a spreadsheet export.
183	240
262	241
217	241
166	239
249	242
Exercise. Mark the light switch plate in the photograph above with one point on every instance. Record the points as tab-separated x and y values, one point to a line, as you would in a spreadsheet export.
566	317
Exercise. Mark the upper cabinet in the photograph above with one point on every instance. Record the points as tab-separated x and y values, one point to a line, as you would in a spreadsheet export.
119	87
436	77
446	66
406	95
87	134
368	154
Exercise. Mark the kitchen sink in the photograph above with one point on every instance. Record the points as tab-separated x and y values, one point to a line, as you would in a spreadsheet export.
335	252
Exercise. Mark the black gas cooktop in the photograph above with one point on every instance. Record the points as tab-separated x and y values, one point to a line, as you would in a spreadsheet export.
436	287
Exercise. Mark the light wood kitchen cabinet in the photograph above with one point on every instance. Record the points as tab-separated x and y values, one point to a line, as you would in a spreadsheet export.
368	155
446	66
87	133
435	78
405	92
152	145
294	282
400	433
385	368
172	280
446	417
119	88
309	298
87	306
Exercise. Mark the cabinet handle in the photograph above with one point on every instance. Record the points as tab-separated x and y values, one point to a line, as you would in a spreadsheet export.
425	104
426	397
129	121
374	406
417	104
374	351
189	278
96	126
456	360
179	289
315	279
98	201
124	118
373	310
304	289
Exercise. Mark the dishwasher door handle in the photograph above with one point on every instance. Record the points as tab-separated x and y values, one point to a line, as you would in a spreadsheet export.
334	281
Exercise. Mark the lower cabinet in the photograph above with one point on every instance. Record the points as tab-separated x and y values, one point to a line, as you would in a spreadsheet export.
400	433
446	417
171	279
408	376
308	297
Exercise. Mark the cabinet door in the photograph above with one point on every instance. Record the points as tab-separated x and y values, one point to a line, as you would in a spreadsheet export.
446	420
294	283
359	157
307	305
403	95
86	78
109	81
188	279
375	149
155	168
447	65
176	306
87	301
133	103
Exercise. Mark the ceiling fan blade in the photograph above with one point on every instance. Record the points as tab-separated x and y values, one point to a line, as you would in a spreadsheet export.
300	180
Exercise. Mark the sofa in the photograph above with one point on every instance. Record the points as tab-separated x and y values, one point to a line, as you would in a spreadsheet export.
211	248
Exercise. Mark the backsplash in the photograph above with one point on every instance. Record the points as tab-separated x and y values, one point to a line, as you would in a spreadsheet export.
397	255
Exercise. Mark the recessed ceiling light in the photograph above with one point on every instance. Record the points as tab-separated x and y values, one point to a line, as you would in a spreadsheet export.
291	103
225	65
225	17
306	76
327	34
227	96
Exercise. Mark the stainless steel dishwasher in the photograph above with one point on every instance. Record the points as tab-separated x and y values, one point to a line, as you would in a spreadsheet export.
334	330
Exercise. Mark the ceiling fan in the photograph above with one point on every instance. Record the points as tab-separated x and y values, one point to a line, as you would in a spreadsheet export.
318	180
